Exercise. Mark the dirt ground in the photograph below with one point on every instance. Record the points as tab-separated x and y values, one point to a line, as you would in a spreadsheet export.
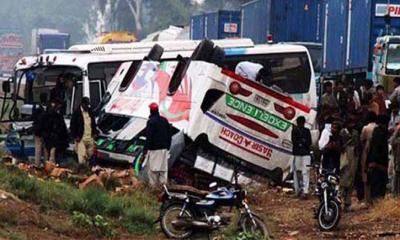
287	218
290	218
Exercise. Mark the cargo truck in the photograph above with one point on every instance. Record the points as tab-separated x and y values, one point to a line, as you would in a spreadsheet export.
48	39
350	32
282	20
11	49
215	25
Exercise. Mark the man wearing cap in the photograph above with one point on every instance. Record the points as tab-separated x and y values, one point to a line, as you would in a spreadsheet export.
83	129
158	142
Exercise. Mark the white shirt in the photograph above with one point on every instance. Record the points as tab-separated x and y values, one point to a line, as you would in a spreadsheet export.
248	70
325	135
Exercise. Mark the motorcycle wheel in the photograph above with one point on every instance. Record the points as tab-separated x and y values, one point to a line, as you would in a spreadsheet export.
246	225
328	221
171	213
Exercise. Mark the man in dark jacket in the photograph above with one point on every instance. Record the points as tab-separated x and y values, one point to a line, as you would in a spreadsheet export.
55	133
332	150
158	142
83	129
37	128
301	140
378	159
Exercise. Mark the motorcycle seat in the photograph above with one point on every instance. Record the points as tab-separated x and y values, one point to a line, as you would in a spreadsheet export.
187	189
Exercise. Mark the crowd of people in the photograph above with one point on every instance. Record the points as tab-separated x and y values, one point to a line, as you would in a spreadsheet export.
360	140
51	133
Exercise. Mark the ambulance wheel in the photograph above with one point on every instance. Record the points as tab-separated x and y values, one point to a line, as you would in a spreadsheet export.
204	51
155	53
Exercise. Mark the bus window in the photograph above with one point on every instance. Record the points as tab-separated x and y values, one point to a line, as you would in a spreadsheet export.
103	71
95	93
290	72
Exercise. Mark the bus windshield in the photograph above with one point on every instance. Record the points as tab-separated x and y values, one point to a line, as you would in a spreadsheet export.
50	82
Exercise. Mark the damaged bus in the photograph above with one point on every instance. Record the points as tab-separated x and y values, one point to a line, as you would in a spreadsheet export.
220	119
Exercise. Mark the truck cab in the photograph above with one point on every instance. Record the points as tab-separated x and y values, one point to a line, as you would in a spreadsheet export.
386	61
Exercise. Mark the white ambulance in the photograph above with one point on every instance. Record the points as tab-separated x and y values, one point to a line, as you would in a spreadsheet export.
224	119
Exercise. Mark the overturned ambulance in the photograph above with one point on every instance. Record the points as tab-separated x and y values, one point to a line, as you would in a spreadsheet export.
221	119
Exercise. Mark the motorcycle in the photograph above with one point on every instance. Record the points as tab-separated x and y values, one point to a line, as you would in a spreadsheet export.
328	213
186	211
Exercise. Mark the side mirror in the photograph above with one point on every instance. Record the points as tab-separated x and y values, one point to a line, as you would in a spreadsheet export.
212	185
6	86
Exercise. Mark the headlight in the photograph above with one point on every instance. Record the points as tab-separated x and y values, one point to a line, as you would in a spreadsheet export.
324	185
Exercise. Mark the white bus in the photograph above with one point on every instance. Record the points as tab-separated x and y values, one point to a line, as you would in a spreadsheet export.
90	68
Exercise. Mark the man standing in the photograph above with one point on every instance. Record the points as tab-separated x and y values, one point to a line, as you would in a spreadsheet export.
37	127
158	142
301	139
349	160
328	100
365	138
378	159
395	142
55	133
395	96
332	149
378	103
83	129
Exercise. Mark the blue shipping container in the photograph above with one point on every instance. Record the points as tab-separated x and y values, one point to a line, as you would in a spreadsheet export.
286	20
222	24
350	29
197	27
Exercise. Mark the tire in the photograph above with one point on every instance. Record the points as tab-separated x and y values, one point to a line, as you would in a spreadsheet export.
204	51
327	223
172	211
246	225
155	53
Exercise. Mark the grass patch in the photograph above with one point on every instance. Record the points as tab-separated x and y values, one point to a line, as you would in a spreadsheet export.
11	235
135	212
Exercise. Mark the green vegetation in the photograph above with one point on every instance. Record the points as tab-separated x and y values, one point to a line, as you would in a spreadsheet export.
97	224
135	212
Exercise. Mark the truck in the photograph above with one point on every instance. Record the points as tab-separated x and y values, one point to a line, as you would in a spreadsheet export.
219	118
215	25
282	20
11	49
49	39
350	32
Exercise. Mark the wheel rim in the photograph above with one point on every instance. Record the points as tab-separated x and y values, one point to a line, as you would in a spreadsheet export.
171	215
328	221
